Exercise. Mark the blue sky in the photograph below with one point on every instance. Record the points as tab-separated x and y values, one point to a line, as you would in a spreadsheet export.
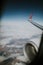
15	9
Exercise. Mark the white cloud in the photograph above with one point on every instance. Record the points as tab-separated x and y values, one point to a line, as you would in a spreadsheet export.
19	29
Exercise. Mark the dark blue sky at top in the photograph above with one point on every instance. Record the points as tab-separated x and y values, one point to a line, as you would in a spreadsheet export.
23	8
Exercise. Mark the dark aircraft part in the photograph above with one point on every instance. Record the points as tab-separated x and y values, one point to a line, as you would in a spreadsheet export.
30	51
39	57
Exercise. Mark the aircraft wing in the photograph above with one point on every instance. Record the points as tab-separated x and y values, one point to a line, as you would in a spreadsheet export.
36	24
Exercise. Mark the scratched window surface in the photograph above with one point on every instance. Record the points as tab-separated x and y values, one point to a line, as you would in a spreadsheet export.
16	30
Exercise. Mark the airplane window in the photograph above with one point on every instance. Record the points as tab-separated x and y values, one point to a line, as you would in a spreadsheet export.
21	28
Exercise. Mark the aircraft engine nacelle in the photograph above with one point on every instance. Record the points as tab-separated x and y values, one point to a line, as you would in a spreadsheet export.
30	50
